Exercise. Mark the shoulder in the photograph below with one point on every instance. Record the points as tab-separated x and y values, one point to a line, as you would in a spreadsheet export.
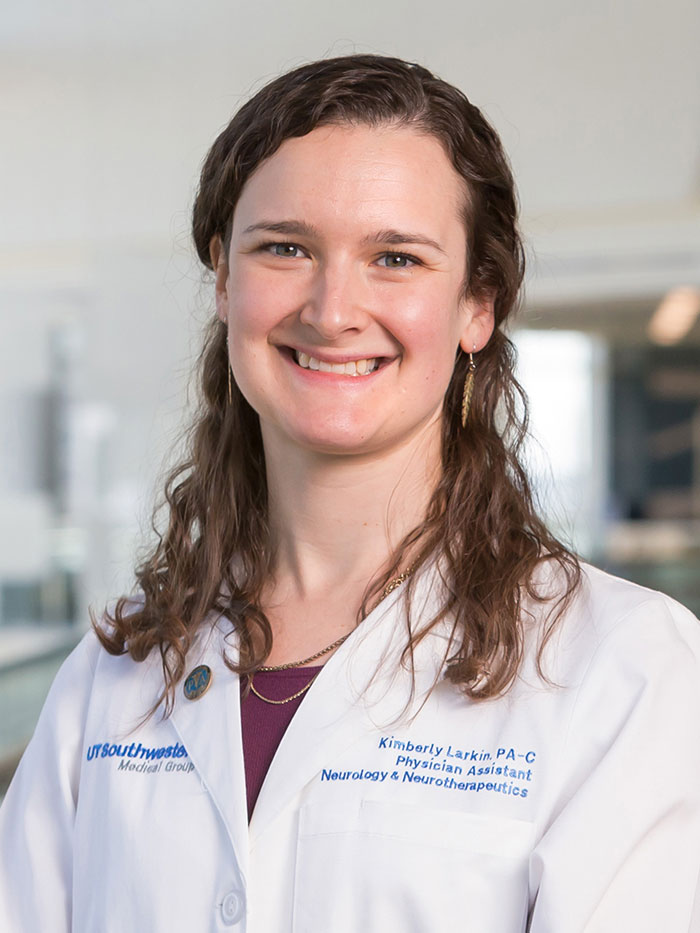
618	637
93	688
613	609
612	600
77	673
613	620
81	674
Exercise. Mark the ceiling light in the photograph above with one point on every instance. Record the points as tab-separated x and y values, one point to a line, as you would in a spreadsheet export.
675	316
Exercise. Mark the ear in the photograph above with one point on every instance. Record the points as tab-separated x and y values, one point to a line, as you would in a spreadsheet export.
219	263
479	322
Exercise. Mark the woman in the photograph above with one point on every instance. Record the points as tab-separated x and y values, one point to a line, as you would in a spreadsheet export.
354	601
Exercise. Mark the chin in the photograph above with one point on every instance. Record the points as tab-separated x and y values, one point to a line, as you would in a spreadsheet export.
328	436
335	443
347	436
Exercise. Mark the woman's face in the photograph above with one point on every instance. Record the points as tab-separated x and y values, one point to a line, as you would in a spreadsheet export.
343	289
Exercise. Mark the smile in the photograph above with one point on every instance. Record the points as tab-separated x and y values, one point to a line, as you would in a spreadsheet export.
349	368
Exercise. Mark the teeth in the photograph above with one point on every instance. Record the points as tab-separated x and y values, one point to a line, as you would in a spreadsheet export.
351	368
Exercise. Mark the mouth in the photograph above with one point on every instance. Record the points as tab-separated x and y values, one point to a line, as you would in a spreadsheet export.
357	367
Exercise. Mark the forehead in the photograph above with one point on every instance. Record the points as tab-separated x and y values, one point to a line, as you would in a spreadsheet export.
358	175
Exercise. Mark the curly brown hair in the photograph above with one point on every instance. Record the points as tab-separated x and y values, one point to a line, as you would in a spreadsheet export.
481	524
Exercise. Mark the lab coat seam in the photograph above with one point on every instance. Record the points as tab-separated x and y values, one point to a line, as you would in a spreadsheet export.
694	916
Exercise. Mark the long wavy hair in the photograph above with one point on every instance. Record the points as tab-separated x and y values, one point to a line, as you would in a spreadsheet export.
214	553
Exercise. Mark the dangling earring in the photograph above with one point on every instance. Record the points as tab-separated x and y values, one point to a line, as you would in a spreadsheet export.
468	389
228	368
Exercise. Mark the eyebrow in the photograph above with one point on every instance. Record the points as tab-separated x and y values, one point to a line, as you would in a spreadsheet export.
387	237
397	237
291	227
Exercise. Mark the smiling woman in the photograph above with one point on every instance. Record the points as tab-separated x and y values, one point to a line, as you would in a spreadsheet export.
361	687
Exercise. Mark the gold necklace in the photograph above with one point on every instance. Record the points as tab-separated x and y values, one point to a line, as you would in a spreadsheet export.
319	654
389	588
287	699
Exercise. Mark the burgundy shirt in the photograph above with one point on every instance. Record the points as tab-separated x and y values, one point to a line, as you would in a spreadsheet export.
264	724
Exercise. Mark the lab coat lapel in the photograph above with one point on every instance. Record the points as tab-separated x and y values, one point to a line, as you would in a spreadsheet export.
349	699
210	730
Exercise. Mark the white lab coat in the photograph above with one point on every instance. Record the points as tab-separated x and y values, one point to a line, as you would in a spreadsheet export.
373	819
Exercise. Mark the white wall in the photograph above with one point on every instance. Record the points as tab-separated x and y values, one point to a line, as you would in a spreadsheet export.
108	110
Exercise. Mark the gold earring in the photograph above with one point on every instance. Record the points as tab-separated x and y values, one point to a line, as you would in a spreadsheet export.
468	389
228	368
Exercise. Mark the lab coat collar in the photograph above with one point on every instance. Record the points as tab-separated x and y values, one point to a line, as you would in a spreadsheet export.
210	730
363	688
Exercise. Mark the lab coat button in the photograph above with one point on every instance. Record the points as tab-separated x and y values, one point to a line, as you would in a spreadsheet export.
231	908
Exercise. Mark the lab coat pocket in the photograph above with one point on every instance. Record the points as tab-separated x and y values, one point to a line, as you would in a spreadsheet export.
383	866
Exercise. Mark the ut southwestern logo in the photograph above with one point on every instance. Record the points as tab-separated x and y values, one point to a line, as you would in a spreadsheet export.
135	750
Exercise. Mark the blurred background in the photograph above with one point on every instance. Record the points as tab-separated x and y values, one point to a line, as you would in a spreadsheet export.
107	112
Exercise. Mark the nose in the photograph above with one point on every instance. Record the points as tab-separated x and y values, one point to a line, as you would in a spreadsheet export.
335	303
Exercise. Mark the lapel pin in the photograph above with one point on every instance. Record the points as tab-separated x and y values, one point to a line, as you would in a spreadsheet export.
197	682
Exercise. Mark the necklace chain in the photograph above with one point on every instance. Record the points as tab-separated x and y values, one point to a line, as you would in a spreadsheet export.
319	654
389	588
287	699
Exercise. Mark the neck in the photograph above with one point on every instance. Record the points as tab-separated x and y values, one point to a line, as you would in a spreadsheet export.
336	521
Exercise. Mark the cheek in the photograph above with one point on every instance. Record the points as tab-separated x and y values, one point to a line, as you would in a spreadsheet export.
258	301
431	341
248	326
431	332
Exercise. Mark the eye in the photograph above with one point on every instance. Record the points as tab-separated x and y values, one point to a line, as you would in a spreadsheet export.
286	250
398	260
